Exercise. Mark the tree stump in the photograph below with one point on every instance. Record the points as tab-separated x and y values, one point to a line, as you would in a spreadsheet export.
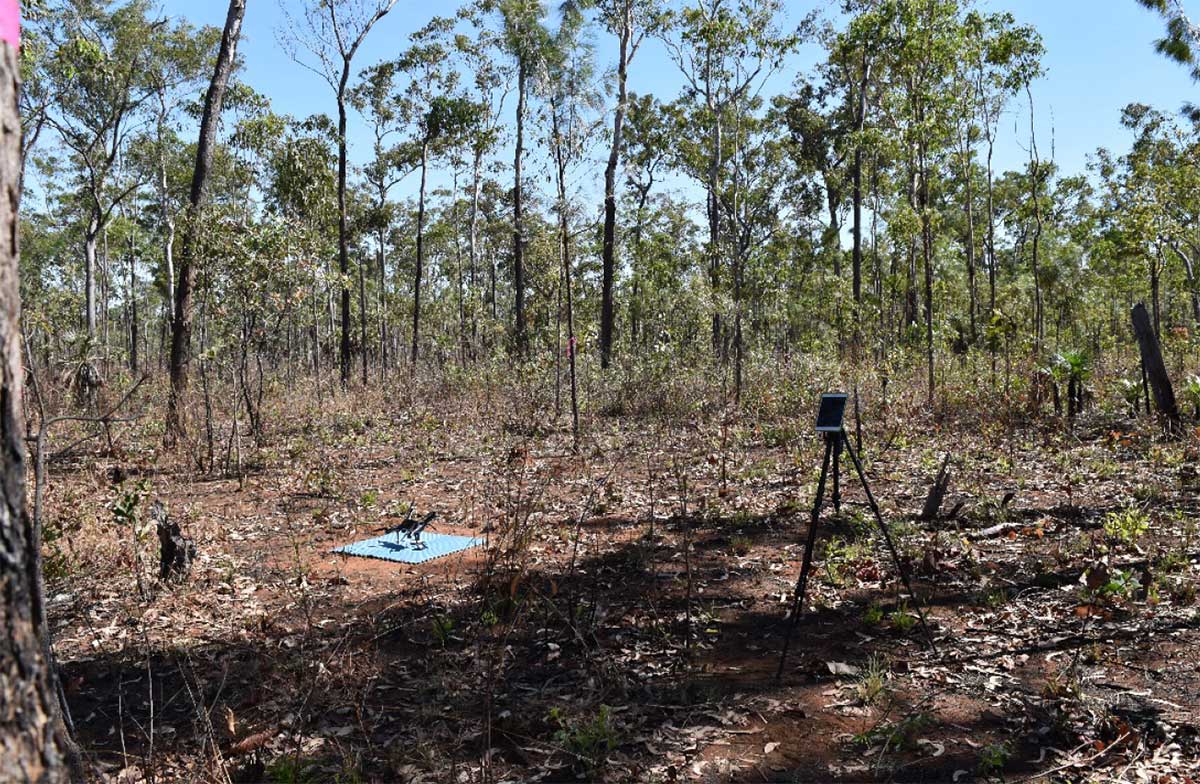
937	493
1155	369
176	551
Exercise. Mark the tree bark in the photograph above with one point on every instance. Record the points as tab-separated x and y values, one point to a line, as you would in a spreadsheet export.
343	226
519	338
420	255
608	265
1155	368
181	325
34	745
90	237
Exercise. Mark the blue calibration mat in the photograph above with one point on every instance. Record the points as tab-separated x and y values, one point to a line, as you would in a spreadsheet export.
405	550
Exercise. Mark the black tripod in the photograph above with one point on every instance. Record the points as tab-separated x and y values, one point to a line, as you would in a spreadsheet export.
835	441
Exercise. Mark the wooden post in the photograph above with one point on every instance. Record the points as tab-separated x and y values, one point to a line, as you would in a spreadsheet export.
1156	370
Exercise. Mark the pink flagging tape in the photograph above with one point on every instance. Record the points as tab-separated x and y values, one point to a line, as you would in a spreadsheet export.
10	22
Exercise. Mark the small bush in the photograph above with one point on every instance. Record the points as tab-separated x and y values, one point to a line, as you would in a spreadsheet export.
1127	525
588	741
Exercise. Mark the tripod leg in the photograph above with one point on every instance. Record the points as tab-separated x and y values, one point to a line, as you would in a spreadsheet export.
887	537
837	475
806	566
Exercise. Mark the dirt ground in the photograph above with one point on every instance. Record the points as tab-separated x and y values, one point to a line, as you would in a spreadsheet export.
625	621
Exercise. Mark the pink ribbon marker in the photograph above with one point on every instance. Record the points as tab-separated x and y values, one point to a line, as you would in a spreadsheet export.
10	22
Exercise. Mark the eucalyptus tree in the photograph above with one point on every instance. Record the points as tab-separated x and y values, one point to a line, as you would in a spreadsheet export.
439	116
629	21
524	39
181	326
1149	205
1182	38
38	40
1005	56
101	59
725	53
647	150
926	35
332	32
819	122
174	75
571	99
752	206
488	89
856	61
302	188
376	97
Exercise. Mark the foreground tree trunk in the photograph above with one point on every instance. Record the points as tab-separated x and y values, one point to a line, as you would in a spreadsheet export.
34	745
181	325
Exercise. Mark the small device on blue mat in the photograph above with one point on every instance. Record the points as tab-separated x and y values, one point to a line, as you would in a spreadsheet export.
390	547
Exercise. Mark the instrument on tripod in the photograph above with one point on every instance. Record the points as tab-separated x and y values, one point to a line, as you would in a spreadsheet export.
829	424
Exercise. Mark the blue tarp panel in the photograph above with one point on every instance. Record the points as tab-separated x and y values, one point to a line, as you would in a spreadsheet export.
404	550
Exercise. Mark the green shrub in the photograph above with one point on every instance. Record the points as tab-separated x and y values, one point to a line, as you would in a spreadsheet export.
1127	525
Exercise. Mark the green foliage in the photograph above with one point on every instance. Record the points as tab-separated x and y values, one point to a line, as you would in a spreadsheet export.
589	741
442	629
290	770
125	509
871	686
901	619
1126	525
992	758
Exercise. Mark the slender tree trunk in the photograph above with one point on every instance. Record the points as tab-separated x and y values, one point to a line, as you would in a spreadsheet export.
181	326
1035	194
927	258
168	238
133	310
362	311
90	240
420	255
343	226
519	337
608	265
383	321
473	244
973	298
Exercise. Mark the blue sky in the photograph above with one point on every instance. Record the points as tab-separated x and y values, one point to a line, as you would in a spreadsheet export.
1099	57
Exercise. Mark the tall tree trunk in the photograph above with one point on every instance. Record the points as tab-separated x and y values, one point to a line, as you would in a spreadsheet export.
564	235
714	227
1035	194
473	245
927	257
420	254
133	312
383	321
608	265
519	338
343	226
969	205
34	745
90	239
181	326
362	311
